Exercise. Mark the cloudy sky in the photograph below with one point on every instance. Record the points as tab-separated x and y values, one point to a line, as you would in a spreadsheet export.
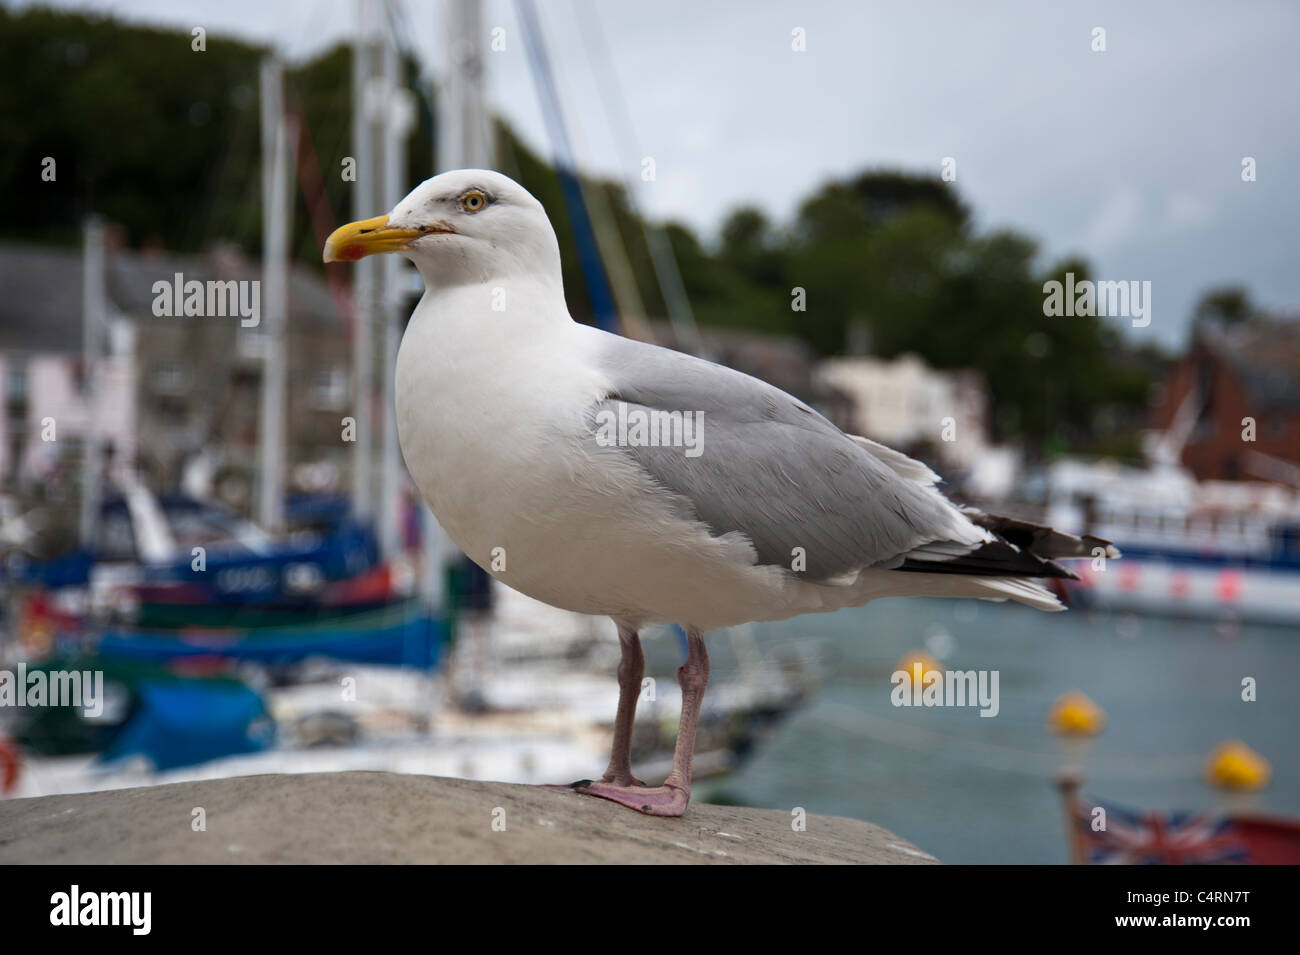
1131	158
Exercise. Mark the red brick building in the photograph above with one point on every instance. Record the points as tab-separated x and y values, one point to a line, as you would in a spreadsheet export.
1231	374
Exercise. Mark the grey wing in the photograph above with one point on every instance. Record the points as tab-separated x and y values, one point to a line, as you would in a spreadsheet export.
773	469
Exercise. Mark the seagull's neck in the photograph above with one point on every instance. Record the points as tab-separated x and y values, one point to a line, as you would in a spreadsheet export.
520	307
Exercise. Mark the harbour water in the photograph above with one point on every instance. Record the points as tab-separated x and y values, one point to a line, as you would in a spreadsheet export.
974	789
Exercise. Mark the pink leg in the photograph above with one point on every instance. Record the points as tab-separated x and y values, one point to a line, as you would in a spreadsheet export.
631	668
672	797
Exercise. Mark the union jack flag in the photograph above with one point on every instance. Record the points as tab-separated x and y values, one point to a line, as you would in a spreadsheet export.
1135	837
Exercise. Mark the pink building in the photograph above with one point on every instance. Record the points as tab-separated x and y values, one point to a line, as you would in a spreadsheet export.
44	417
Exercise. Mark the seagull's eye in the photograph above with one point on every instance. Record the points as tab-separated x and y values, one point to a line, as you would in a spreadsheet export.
473	202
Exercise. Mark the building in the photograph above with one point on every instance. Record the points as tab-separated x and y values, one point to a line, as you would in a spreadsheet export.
1229	410
45	411
172	387
904	403
780	360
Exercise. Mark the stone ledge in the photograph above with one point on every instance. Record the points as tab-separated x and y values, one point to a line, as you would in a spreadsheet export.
374	817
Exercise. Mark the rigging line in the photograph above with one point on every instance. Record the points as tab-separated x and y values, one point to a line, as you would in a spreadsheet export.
993	755
207	223
593	269
392	16
312	187
234	144
507	155
402	27
664	263
401	30
613	251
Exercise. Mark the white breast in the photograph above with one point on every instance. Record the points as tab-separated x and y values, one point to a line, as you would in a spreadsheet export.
490	419
472	411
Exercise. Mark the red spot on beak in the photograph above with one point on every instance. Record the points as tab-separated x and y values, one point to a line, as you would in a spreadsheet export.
350	253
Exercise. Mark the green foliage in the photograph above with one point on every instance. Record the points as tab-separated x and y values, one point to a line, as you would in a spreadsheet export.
1227	305
161	139
137	122
164	141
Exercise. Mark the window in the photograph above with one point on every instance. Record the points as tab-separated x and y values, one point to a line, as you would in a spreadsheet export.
16	385
169	378
253	342
202	527
116	536
329	389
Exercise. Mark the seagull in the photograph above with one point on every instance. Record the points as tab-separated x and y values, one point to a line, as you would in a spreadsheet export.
609	476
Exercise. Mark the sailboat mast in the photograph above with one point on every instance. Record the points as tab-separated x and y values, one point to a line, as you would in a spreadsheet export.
398	117
364	203
464	134
463	141
94	302
275	298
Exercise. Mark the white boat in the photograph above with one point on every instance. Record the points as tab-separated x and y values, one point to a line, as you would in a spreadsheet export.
1217	549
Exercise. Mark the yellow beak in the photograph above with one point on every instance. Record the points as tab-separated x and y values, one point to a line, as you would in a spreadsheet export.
356	240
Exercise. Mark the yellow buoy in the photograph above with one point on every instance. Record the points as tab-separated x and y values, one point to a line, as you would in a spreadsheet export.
1234	765
1074	714
913	657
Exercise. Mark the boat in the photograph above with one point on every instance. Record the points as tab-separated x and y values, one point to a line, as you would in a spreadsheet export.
1213	549
155	554
400	634
189	602
1104	833
170	717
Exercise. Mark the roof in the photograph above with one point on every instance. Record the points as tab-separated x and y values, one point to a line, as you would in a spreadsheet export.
41	290
781	360
1264	354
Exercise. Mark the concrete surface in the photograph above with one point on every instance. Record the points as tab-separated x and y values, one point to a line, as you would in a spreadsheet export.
361	817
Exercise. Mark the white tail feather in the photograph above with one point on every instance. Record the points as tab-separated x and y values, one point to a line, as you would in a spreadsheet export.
1022	590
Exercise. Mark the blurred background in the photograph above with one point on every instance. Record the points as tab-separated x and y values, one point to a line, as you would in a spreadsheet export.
862	204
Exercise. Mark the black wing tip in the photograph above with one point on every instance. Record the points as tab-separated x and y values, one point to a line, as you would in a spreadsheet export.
996	558
1040	539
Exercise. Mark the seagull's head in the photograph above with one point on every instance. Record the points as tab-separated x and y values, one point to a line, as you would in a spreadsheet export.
464	226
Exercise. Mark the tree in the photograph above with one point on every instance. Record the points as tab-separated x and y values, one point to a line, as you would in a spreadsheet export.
1226	305
165	142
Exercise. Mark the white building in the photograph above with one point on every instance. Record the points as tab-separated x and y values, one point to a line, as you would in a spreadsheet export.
45	417
908	405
